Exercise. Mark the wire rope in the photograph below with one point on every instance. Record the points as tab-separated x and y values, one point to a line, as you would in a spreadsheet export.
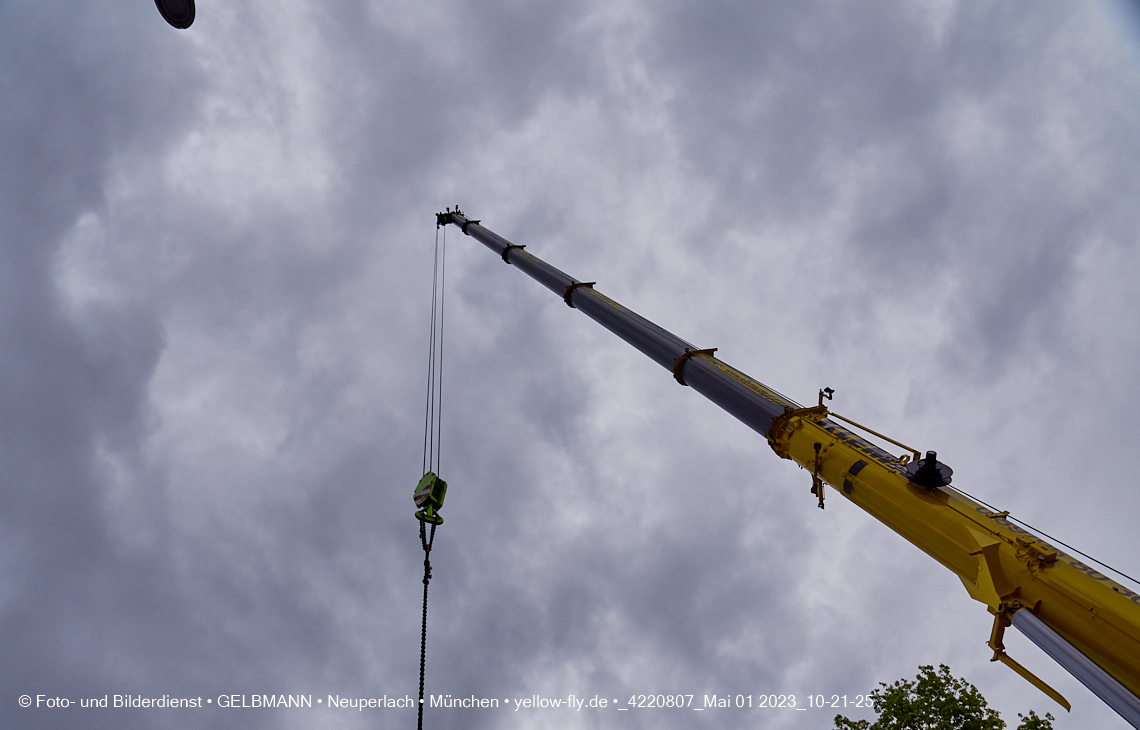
429	401
433	431
1059	542
439	370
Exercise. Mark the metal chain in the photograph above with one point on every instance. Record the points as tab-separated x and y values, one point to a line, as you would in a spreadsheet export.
426	542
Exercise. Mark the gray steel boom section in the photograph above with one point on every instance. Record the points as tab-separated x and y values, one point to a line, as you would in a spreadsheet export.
750	401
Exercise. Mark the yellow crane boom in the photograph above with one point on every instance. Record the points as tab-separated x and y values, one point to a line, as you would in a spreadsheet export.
1085	621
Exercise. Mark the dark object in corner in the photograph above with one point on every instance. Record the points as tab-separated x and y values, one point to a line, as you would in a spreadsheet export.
179	13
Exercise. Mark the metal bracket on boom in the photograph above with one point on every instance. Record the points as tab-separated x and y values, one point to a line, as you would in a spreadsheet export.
782	427
507	250
442	219
679	363
828	393
780	433
902	459
1001	621
816	482
567	295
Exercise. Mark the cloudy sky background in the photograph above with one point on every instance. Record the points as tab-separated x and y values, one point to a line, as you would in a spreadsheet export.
216	271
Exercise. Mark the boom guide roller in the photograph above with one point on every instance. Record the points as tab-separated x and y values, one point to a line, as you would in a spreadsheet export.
1085	621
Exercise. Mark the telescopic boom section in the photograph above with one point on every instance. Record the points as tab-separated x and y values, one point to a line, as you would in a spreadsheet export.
1085	621
732	390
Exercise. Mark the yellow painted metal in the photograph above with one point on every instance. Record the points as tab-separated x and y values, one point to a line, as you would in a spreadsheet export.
1001	621
902	459
1000	563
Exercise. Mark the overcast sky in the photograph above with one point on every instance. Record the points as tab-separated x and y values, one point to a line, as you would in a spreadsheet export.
215	285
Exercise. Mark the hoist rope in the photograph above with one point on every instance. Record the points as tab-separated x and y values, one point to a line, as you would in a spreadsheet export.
433	430
439	371
433	406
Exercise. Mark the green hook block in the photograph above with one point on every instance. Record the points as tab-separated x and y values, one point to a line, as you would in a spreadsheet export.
429	496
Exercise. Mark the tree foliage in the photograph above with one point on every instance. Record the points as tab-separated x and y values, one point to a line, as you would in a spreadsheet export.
936	701
1033	722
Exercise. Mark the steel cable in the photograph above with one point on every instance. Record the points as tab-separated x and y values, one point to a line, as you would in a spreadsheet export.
433	432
